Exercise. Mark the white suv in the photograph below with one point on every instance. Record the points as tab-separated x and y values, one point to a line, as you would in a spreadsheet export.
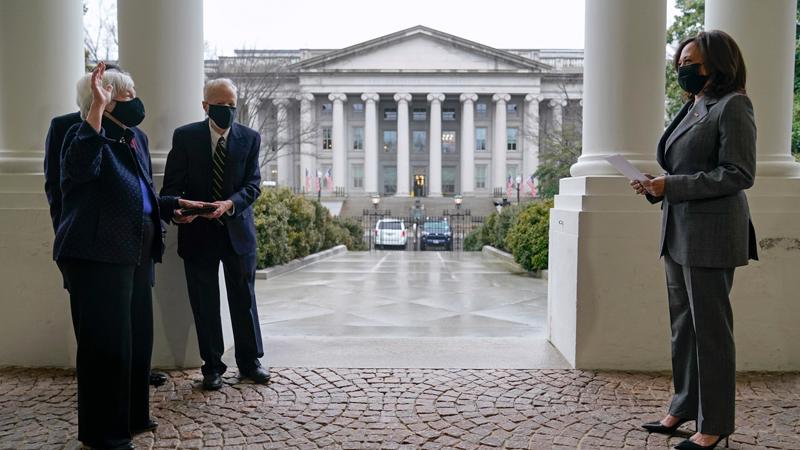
390	232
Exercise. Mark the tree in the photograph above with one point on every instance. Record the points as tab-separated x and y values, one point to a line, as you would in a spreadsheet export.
558	151
100	39
688	22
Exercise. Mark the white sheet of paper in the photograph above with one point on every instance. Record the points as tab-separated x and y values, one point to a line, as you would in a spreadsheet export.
625	167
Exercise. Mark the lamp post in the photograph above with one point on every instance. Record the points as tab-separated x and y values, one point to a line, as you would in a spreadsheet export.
458	199
371	218
376	200
459	220
519	182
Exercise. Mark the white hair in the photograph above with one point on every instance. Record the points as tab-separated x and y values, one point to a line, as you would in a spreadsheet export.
120	82
218	82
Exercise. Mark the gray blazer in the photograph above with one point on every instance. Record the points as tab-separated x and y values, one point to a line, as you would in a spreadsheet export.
709	159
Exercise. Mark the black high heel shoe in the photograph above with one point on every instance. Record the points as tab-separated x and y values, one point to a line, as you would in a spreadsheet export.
688	444
658	427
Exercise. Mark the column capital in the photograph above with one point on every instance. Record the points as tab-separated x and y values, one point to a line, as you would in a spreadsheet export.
305	97
468	97
337	96
558	101
370	97
436	97
501	97
534	98
402	97
281	101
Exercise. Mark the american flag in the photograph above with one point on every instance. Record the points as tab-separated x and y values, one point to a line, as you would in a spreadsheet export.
531	186
509	187
317	182
308	181
329	180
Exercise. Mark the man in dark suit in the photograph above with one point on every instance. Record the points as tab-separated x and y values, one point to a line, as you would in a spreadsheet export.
59	126
216	161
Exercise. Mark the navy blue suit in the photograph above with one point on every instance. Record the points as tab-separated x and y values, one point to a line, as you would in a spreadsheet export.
107	245
52	162
204	243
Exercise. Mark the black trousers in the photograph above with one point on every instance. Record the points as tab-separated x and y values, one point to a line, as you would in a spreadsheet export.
703	351
114	329
202	278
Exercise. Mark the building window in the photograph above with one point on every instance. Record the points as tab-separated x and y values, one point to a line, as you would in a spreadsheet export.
390	141
420	114
511	136
358	138
358	175
481	109
358	108
448	114
418	139
327	108
512	171
448	180
512	108
390	114
448	141
327	138
480	139
480	176
389	180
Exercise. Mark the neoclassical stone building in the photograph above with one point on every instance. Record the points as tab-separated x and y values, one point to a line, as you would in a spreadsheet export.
417	112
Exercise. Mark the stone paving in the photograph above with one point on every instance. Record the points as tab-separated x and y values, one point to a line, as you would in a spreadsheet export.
401	409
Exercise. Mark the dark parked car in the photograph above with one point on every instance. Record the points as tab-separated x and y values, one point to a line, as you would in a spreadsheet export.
436	233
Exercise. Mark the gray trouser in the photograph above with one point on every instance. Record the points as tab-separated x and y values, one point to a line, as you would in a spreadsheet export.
703	352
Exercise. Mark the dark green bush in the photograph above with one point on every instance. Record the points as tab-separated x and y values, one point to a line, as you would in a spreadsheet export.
528	237
290	226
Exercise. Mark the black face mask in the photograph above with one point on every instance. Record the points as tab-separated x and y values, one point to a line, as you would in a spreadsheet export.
222	115
690	80
130	113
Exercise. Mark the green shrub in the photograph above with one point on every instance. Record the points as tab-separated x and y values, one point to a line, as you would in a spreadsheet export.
528	237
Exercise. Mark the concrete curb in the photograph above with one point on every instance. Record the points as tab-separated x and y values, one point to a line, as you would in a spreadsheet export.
291	266
509	258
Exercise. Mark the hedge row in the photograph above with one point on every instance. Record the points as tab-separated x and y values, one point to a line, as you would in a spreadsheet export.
289	226
522	231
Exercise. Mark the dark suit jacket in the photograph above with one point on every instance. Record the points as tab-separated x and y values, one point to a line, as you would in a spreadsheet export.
188	175
710	159
102	213
52	162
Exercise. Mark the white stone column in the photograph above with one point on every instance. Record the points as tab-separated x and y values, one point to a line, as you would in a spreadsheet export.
603	254
339	140
161	45
41	54
435	146
558	105
530	155
765	292
500	141
308	134
468	143
371	142
403	171
285	169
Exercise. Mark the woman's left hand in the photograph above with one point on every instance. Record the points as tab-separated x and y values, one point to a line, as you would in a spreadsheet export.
655	187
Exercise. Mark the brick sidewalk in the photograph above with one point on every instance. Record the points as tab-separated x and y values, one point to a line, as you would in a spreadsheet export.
401	408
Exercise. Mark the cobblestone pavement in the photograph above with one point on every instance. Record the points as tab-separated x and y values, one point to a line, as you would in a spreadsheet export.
401	409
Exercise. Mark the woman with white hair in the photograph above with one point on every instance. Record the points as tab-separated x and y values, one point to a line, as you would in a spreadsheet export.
107	241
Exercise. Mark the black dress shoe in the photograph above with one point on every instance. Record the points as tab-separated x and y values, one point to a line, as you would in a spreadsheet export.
259	375
157	378
212	382
658	427
128	446
689	444
149	426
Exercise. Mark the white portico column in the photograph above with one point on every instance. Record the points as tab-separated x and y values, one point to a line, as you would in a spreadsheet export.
530	155
35	324
339	138
161	45
403	173
765	292
284	149
558	105
468	143
435	147
500	144
603	254
308	150
370	142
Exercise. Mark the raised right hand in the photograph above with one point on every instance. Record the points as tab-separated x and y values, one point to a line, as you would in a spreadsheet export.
101	95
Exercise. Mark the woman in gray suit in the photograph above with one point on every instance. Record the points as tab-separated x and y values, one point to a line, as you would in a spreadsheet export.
708	154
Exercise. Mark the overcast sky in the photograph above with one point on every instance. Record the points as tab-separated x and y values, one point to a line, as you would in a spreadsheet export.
293	24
